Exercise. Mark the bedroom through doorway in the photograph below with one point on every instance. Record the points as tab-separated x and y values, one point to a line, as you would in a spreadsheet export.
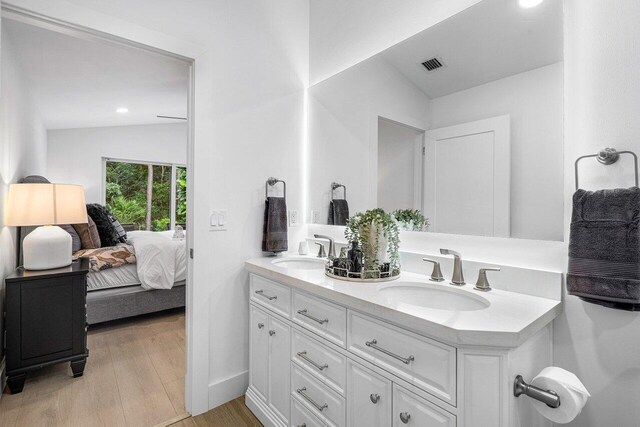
113	117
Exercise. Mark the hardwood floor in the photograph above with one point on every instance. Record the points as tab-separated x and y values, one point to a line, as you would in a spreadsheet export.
134	378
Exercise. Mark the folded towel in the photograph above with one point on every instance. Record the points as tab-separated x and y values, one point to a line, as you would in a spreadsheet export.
274	235
338	212
604	248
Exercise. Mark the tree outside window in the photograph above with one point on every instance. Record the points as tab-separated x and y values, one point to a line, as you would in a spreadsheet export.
140	193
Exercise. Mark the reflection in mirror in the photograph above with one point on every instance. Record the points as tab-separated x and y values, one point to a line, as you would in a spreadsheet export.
461	122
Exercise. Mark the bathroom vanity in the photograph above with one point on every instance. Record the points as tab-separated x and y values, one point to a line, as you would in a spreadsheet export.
325	352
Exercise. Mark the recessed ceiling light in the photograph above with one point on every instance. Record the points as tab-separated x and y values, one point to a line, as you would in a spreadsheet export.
122	110
529	3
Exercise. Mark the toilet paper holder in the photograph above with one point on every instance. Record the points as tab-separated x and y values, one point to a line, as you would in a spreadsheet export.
548	397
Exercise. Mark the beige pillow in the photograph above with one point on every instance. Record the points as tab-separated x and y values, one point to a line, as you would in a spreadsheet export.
88	234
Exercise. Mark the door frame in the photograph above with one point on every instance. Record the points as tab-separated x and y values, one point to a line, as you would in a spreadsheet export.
197	351
501	127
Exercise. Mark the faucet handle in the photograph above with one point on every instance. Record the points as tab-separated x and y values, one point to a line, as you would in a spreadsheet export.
436	274
321	252
482	284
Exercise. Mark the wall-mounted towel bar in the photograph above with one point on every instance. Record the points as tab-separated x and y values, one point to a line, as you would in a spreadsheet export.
334	186
607	156
270	183
548	397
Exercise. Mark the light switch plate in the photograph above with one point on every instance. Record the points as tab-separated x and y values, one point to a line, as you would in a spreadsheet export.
218	220
293	218
315	217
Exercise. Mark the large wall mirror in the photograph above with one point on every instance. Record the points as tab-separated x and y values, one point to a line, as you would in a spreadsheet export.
463	122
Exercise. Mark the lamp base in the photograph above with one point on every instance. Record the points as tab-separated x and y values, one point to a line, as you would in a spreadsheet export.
46	247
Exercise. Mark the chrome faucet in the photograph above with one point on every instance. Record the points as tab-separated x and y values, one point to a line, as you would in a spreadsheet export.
457	278
332	246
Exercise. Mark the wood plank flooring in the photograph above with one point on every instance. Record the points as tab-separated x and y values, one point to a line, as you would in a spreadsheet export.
134	378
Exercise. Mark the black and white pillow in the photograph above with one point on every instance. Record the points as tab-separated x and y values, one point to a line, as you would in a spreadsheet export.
109	235
120	231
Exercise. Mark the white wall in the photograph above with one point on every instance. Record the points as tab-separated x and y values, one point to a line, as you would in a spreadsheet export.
23	150
343	130
534	102
75	155
602	100
397	165
251	69
343	33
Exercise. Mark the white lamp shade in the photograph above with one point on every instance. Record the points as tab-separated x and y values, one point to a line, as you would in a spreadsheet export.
40	204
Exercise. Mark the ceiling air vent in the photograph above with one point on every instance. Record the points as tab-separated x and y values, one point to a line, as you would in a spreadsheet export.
432	64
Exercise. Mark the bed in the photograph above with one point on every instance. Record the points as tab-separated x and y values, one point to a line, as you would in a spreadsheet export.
155	282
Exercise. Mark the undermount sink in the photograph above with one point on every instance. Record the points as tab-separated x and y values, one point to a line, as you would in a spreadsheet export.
436	297
300	263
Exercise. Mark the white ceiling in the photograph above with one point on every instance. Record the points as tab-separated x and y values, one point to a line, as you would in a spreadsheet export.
489	41
80	83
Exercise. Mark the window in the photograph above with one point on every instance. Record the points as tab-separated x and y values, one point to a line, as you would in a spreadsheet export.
151	195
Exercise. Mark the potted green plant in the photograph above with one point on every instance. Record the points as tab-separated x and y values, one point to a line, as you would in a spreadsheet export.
411	220
376	233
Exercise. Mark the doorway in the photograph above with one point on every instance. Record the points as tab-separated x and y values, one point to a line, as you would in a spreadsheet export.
400	166
76	123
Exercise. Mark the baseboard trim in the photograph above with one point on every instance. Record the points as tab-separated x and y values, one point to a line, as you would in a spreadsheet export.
228	389
260	409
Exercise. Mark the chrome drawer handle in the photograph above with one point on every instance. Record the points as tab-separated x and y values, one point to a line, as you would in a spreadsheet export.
374	398
302	425
262	294
303	355
405	417
260	325
272	332
301	392
315	319
405	360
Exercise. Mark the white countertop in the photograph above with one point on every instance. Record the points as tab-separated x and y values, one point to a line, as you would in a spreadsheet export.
509	320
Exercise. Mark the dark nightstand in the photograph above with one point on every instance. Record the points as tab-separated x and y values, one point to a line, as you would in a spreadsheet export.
46	317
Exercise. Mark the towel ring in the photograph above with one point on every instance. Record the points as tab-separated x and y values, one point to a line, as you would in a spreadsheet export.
334	186
270	183
607	156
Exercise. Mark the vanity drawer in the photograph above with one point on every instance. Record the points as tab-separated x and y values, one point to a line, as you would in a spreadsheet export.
323	402
412	410
322	362
270	294
322	317
302	417
425	363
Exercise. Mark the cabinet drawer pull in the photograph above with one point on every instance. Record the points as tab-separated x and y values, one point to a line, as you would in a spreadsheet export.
301	392
303	355
373	344
272	332
315	319
260	325
302	425
262	294
375	397
405	417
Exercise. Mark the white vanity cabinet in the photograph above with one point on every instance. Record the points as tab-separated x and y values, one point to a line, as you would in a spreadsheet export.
315	362
269	374
369	397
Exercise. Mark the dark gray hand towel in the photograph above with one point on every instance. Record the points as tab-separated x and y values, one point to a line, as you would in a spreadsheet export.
338	212
274	235
604	248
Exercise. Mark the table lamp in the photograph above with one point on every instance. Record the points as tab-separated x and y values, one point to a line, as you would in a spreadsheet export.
45	205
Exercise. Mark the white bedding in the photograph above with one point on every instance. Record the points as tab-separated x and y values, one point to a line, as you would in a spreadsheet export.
159	258
161	261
